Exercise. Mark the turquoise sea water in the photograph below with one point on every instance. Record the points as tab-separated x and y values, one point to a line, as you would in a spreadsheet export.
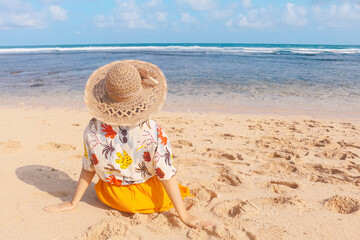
201	77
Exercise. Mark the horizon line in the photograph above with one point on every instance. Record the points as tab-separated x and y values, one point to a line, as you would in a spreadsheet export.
173	43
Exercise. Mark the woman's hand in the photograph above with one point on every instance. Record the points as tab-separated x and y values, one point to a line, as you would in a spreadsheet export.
83	183
196	222
172	189
61	207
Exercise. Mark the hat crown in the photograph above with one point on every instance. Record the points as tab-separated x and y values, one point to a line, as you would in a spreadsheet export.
122	80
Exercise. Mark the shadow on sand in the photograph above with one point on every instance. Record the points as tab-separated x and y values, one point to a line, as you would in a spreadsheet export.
56	183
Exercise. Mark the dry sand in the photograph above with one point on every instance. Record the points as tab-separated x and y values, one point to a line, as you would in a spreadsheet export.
254	176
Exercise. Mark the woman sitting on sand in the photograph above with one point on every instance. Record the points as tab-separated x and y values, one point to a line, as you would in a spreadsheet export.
130	152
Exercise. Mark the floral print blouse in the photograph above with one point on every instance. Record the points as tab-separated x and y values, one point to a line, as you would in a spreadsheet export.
127	155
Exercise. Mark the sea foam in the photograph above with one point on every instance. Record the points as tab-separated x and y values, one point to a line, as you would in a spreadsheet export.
259	49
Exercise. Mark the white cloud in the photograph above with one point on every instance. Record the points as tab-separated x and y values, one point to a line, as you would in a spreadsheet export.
200	5
295	15
21	14
129	14
51	2
161	16
345	14
102	21
187	18
22	20
58	13
255	18
219	14
153	3
15	14
246	3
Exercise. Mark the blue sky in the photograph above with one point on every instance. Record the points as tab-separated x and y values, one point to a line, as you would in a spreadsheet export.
44	22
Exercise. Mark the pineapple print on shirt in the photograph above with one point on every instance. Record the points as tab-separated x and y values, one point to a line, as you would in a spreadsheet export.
124	160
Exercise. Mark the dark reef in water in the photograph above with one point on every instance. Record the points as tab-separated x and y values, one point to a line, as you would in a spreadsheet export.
37	85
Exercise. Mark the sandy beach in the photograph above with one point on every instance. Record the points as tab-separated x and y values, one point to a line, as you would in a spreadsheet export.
254	176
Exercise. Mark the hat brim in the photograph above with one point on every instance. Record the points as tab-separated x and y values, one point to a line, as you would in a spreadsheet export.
128	112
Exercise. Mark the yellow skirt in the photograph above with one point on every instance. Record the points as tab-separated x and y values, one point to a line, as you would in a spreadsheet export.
147	197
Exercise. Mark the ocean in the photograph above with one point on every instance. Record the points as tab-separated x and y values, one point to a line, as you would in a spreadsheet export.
235	78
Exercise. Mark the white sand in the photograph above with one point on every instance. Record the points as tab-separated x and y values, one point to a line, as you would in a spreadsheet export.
255	176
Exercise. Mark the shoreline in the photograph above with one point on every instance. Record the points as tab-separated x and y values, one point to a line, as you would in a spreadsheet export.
220	109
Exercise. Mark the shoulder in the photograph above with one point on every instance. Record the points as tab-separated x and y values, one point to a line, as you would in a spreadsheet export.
154	124
157	128
92	126
148	125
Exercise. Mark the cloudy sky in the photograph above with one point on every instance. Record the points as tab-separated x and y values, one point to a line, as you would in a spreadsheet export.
37	22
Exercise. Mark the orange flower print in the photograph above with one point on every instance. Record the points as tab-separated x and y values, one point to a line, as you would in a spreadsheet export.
147	157
160	135
113	180
94	159
159	173
109	131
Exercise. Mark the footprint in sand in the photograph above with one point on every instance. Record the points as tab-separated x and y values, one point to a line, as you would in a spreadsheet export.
10	146
292	185
311	123
221	154
181	143
227	136
294	129
281	155
348	126
337	154
279	166
327	128
280	123
281	186
56	146
345	144
321	142
230	176
281	201
340	176
204	195
342	204
333	180
256	127
230	179
325	169
176	131
233	209
353	165
270	142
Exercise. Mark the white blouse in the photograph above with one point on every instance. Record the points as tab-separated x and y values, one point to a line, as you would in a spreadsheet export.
127	155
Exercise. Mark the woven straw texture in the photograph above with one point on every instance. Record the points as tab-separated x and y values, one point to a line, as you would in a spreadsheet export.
122	93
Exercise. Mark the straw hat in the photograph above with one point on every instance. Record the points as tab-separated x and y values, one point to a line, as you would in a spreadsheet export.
125	93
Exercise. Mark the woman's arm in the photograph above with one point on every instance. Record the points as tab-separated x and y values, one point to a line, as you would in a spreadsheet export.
172	189
83	183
